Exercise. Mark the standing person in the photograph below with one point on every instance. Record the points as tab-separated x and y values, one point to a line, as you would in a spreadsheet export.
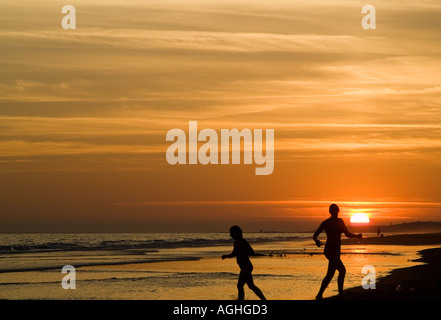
334	227
242	250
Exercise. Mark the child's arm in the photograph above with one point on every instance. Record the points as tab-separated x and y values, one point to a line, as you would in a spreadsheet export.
232	254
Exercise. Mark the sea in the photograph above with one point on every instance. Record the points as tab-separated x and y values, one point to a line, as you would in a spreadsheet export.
179	266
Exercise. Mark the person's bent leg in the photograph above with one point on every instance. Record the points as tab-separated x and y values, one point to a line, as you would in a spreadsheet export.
240	284
255	289
341	277
327	279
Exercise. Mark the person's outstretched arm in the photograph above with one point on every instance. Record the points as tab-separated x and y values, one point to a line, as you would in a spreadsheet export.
231	255
350	234
316	234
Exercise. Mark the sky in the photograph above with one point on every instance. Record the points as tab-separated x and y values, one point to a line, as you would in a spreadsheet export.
84	113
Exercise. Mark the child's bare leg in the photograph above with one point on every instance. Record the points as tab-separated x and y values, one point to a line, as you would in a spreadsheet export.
240	284
258	292
255	289
240	290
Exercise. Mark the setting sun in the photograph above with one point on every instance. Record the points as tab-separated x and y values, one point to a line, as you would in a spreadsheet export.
359	218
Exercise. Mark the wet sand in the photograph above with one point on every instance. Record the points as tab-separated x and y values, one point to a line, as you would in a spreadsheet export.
421	282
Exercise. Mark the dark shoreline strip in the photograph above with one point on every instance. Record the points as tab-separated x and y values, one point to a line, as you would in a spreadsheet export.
421	282
414	239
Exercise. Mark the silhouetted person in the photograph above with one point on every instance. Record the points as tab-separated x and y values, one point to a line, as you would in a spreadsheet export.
334	227
242	250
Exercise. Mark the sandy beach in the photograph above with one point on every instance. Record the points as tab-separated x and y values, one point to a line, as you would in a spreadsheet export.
421	282
290	267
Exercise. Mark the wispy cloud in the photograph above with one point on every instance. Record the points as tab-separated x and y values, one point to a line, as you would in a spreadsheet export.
386	91
287	203
14	148
206	41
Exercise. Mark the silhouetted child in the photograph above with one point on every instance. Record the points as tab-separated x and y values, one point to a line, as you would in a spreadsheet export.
242	250
334	227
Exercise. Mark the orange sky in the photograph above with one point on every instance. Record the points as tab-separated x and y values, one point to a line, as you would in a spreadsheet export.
84	113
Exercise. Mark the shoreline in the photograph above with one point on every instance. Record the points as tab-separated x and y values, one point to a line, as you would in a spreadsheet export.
421	282
403	239
277	273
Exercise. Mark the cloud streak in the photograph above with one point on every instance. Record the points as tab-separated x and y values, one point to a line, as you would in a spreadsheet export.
206	41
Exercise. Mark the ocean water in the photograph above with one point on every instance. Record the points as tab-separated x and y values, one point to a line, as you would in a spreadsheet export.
178	266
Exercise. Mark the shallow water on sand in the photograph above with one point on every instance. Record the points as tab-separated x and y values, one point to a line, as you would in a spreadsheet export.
291	267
